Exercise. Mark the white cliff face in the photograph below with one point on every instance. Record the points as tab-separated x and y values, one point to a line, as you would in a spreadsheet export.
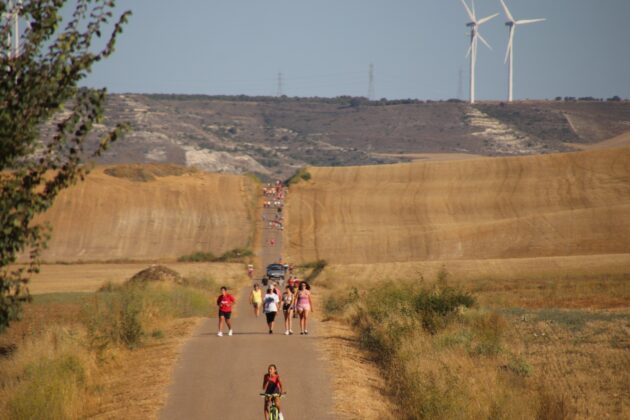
208	160
502	138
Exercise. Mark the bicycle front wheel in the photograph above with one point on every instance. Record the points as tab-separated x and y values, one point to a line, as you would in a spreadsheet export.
273	414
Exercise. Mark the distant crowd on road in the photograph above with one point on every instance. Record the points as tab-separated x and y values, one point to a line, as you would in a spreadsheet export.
274	199
294	301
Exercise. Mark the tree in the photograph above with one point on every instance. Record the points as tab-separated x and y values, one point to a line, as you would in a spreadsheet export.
39	90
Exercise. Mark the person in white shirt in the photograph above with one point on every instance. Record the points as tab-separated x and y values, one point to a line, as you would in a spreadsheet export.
270	307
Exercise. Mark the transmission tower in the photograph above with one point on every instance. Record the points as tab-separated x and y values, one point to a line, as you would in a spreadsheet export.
279	93
370	94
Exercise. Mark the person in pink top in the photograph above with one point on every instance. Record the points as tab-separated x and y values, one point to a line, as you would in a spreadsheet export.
304	306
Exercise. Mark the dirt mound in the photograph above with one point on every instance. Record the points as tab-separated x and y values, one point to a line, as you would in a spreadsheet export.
156	273
148	172
520	207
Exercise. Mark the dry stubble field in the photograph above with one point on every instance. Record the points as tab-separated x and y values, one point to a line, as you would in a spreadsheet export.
544	241
149	212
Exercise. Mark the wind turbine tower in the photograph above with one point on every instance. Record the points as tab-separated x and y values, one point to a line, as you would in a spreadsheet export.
475	36
509	54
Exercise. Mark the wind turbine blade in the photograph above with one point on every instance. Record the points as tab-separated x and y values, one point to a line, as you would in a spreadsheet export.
470	13
484	41
473	9
528	21
510	43
487	18
469	50
507	11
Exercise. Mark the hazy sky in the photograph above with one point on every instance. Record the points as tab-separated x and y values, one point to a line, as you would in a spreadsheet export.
325	47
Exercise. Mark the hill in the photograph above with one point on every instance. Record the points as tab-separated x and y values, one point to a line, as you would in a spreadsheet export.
274	136
149	212
533	206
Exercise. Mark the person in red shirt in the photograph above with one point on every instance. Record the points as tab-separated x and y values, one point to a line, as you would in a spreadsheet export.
272	385
225	302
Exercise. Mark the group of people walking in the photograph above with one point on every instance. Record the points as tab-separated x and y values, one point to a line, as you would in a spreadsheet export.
294	301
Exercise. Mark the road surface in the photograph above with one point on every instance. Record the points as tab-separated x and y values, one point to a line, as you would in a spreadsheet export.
221	377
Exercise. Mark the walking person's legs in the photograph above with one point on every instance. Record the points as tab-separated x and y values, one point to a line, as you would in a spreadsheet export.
290	320
220	332
271	316
305	321
301	314
285	312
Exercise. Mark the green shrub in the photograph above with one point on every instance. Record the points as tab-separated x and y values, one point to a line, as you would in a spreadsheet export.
198	257
50	389
235	255
519	366
301	174
436	306
114	319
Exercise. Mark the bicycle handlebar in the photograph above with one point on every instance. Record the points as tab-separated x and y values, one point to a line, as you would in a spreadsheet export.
263	394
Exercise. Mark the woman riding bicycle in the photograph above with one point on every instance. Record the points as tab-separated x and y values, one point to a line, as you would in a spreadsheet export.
272	385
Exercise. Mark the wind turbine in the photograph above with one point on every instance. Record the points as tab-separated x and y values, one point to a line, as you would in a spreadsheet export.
509	54
474	25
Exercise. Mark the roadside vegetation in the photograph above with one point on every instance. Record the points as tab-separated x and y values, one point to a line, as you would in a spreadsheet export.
310	271
233	255
59	362
443	354
301	174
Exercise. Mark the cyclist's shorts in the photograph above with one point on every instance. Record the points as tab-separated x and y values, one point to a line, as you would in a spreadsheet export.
226	315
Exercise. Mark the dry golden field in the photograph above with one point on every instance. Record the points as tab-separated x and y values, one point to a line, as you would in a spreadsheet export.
520	207
541	241
61	278
142	216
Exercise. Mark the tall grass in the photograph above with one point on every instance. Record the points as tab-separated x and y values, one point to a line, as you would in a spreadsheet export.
51	389
124	316
441	356
51	375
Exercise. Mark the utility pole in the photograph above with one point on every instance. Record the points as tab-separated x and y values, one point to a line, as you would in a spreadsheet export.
371	83
279	92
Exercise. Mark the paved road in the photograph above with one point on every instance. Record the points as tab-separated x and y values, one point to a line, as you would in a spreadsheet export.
220	377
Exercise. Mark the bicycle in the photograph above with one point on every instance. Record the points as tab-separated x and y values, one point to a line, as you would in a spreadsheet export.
274	413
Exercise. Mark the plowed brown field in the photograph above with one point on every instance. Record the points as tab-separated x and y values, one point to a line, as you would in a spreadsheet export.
109	218
534	206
